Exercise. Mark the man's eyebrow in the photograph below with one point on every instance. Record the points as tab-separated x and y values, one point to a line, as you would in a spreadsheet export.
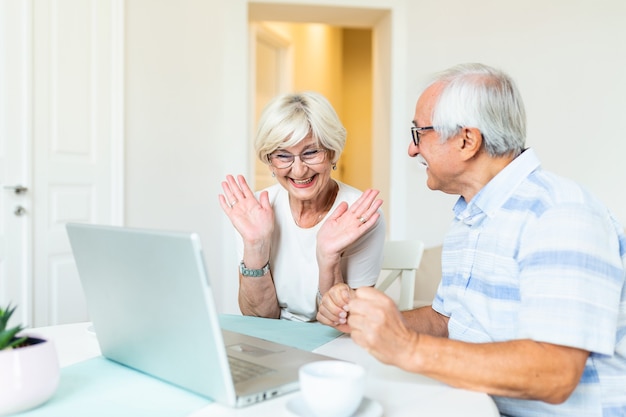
414	123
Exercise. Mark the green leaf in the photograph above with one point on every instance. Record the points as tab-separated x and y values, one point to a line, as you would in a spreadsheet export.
5	315
16	342
8	337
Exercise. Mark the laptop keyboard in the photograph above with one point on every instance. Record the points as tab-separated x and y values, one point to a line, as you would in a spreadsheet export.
243	370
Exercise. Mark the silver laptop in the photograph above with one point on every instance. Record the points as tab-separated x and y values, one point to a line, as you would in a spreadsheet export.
152	308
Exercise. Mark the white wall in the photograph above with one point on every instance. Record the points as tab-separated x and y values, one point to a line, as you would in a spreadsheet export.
186	121
569	61
187	104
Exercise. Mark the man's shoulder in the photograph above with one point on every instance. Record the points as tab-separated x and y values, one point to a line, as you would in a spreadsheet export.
557	189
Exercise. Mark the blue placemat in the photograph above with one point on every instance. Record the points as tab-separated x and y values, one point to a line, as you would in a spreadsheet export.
306	336
99	387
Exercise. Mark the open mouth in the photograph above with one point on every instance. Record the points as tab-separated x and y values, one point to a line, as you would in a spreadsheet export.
303	182
421	160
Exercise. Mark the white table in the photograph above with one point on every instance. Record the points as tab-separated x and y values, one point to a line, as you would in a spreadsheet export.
400	393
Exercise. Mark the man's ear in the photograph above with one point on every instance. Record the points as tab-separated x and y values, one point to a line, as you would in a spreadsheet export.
470	140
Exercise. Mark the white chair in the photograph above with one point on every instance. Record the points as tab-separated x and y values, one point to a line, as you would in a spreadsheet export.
428	276
401	259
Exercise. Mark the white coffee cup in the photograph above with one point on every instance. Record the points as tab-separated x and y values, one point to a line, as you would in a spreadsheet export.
332	388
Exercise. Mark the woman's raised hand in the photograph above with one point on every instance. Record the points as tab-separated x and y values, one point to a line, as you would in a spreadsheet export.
346	224
253	219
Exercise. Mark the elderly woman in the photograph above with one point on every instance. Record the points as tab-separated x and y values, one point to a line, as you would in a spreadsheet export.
309	232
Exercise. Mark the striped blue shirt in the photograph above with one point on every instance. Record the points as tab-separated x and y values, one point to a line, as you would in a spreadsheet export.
535	256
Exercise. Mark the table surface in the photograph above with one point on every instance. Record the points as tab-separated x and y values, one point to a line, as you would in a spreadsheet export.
400	393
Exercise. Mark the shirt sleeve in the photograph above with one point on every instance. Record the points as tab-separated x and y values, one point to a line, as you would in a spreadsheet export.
571	275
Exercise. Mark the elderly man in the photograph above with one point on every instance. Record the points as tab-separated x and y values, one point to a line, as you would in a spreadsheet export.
531	308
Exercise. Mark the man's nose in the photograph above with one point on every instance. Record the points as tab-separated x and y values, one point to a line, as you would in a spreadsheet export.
413	150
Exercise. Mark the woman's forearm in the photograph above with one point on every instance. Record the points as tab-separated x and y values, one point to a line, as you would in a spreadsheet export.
257	296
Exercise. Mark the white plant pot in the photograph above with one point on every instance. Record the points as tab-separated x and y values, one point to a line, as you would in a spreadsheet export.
29	376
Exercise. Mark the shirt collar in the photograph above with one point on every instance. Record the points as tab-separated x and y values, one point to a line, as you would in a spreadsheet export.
497	191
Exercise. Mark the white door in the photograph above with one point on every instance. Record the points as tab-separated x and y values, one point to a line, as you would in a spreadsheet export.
72	95
270	62
15	200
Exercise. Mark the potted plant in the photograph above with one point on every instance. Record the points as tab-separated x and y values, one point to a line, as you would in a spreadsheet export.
29	367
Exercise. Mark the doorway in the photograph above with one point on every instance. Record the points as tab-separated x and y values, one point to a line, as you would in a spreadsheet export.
329	50
334	61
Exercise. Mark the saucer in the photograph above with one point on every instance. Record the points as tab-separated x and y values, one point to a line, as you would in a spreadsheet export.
367	408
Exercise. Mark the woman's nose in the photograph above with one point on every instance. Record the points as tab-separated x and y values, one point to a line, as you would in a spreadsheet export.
298	165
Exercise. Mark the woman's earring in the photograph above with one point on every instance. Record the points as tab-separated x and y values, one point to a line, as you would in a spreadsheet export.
273	174
334	167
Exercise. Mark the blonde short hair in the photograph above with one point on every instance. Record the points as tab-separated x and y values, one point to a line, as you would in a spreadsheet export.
290	118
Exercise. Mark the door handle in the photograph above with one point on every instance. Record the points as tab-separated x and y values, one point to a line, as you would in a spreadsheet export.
17	189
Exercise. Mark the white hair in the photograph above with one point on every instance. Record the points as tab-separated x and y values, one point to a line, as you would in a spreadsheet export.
476	95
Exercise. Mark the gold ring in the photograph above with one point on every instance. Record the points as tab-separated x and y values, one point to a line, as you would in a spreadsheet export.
362	219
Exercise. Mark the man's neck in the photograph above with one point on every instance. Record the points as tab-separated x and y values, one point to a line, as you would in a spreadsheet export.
482	170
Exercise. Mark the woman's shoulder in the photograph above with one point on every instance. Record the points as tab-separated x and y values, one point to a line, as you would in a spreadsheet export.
347	192
273	192
350	194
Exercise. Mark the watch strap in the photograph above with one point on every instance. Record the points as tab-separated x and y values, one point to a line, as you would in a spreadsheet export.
247	272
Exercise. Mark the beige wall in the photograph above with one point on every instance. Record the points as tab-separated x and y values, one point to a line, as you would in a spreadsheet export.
317	60
355	164
316	52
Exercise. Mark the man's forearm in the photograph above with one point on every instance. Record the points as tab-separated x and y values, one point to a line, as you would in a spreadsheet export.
426	320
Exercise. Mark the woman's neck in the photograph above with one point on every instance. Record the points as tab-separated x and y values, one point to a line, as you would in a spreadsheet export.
307	214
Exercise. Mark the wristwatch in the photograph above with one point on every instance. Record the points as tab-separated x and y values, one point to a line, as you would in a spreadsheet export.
246	272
